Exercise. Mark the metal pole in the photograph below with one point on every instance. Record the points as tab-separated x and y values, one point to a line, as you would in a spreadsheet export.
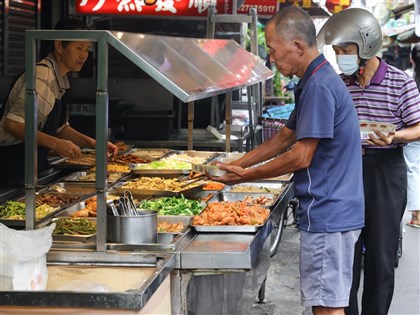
101	143
228	118
31	152
190	124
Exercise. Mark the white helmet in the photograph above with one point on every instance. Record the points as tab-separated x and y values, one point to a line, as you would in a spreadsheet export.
353	25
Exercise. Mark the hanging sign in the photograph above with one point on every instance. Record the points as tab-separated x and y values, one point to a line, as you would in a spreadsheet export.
172	7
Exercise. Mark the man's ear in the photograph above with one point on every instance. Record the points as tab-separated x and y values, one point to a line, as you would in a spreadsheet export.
299	46
58	46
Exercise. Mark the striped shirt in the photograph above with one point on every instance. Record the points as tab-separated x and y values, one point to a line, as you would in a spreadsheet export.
50	85
391	97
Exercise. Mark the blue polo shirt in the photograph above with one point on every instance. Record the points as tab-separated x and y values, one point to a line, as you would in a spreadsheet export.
330	190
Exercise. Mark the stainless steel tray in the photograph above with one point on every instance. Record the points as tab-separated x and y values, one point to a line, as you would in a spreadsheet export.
207	155
227	228
85	189
145	192
72	237
257	187
186	220
203	195
60	164
69	211
155	172
232	196
169	237
56	199
153	154
21	223
284	178
79	177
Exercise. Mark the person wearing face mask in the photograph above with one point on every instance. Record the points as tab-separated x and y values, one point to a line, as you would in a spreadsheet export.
54	131
380	93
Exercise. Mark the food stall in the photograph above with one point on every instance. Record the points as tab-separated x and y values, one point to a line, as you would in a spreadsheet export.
151	278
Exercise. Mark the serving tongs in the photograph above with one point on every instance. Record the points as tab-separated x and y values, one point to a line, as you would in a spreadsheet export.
129	203
192	181
112	208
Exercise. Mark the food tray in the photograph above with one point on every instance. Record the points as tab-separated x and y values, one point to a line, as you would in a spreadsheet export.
72	188
185	219
163	193
78	177
60	164
203	195
225	209
173	157
127	149
268	187
285	178
58	199
153	154
14	223
232	196
158	172
169	237
227	228
207	155
71	237
67	212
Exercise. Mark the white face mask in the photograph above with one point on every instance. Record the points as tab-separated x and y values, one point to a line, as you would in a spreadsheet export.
347	64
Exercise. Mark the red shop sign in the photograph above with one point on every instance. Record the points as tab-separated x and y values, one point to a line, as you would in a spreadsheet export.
172	7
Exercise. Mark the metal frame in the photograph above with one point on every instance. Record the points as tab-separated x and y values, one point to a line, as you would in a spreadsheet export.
103	38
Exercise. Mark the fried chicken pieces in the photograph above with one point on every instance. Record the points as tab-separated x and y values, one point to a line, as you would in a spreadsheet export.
232	213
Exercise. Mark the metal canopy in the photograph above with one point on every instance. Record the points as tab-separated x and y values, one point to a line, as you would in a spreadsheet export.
192	68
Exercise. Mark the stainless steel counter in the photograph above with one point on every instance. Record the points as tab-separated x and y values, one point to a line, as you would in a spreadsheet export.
209	272
158	269
231	250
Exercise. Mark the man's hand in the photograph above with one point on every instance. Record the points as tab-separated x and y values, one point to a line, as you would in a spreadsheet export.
383	140
234	174
68	149
112	149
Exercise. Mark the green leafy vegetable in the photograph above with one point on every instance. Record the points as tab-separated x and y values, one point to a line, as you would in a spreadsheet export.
173	206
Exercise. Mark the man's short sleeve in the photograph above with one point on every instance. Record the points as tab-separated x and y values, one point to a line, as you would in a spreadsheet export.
315	114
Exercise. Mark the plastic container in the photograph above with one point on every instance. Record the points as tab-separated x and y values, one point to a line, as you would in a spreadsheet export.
140	229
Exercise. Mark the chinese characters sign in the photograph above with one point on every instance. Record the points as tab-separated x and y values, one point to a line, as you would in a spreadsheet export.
172	7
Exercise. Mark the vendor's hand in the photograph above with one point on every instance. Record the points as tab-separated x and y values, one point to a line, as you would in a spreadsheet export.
383	140
68	149
234	174
112	149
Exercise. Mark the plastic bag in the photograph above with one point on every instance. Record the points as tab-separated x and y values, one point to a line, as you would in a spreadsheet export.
23	263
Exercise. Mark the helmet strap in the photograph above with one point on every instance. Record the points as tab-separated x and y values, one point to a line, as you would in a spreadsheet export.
362	67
